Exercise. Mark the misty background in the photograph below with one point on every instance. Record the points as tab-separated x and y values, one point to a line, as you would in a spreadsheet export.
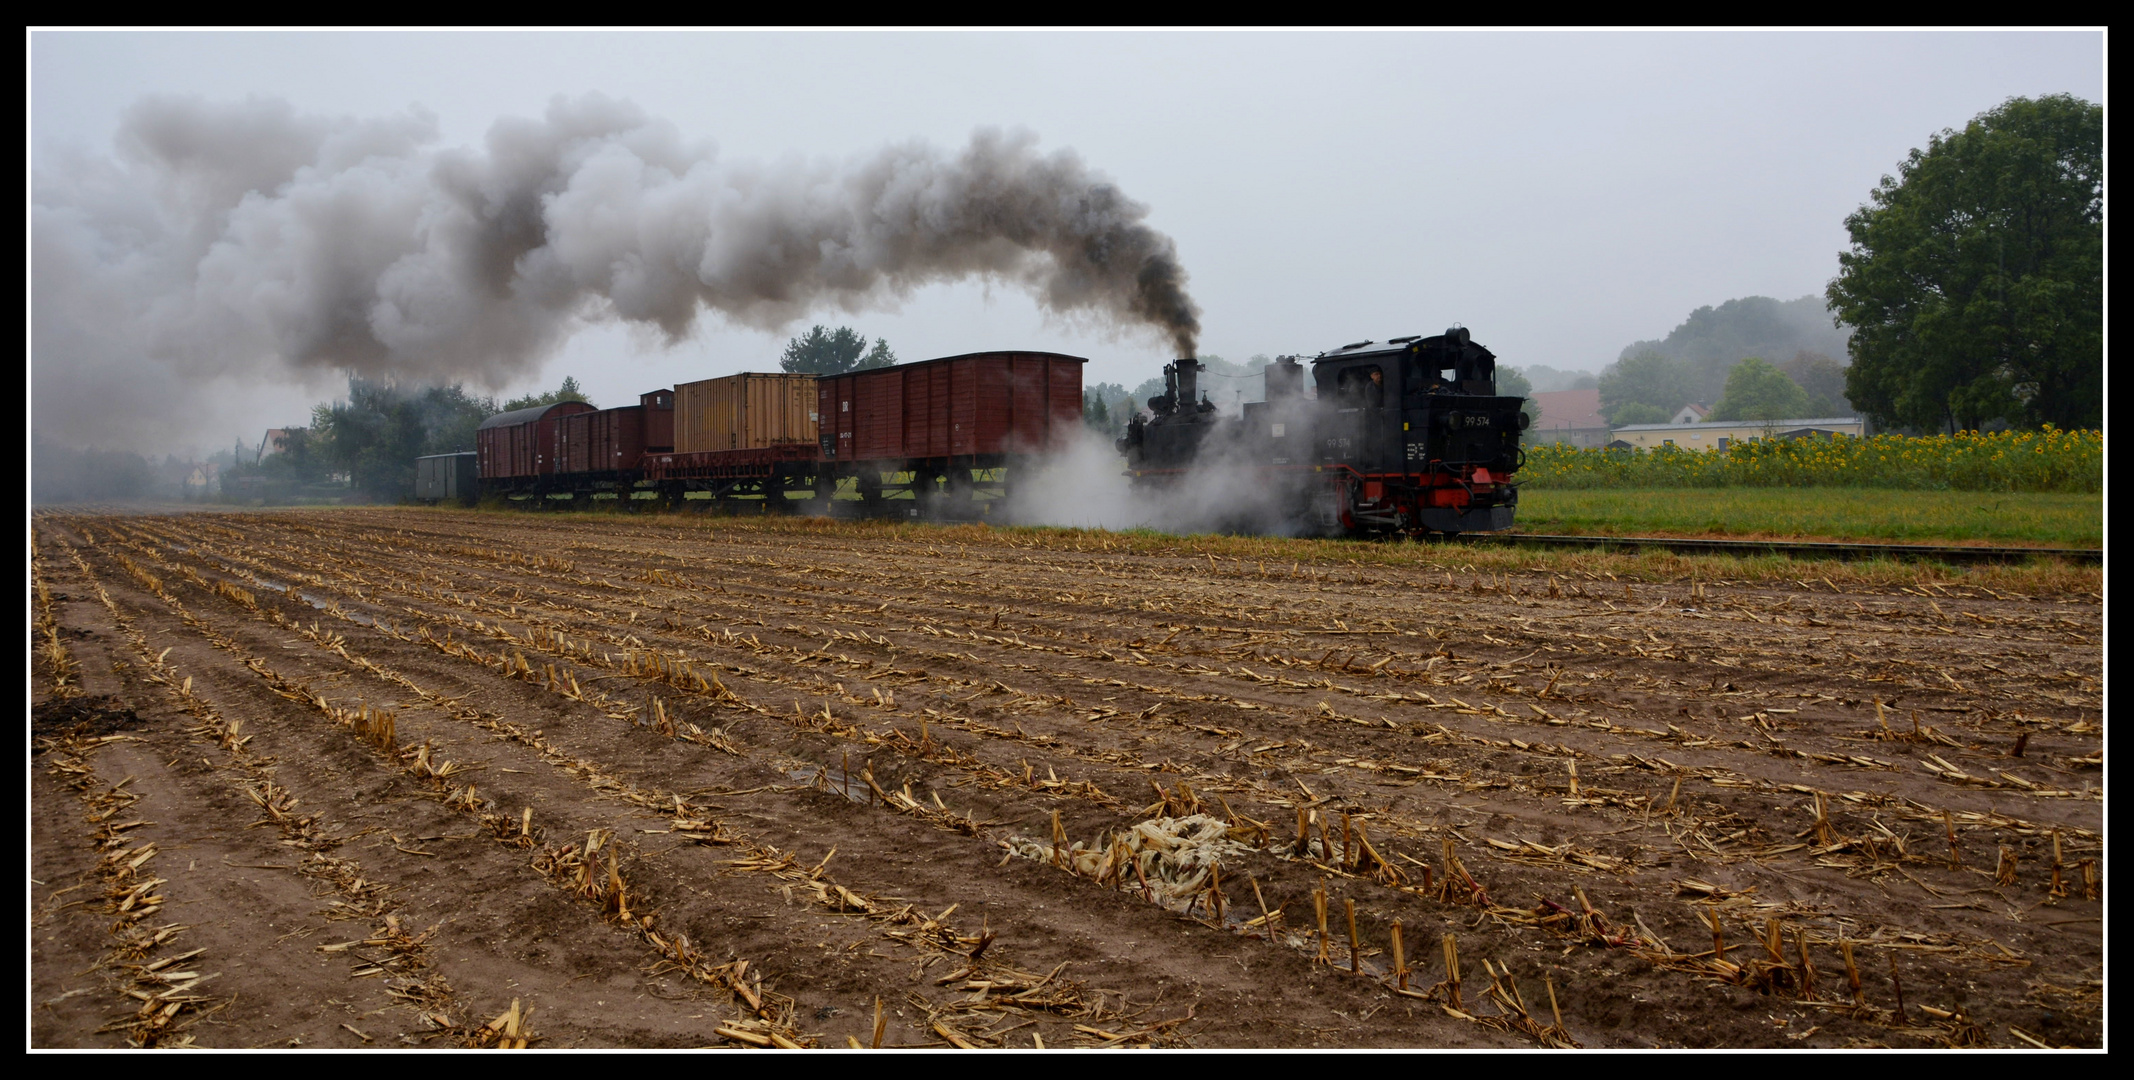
221	222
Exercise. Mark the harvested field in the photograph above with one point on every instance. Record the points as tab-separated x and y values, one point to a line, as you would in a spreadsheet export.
391	778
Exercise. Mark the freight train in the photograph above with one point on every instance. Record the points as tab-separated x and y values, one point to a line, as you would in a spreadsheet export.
1405	437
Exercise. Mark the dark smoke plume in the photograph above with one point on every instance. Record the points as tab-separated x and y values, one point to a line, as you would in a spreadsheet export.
247	242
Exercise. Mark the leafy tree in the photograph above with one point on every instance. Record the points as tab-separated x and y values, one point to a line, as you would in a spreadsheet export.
1106	409
1149	388
569	391
1546	379
1757	390
292	463
1096	415
61	474
1823	378
1637	412
378	432
834	352
1975	280
1511	382
1713	339
1650	378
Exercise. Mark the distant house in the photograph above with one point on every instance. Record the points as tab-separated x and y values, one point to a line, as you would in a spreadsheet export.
1718	435
1692	413
202	478
1569	416
277	441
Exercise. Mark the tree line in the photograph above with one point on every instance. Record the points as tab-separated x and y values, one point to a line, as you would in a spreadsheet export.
367	442
1971	296
1975	279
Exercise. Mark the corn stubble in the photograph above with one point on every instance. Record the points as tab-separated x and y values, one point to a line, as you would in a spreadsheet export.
1191	851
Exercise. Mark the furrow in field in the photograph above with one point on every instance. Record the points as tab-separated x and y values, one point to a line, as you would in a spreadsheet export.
1543	852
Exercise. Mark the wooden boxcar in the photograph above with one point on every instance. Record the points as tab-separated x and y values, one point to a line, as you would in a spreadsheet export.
949	435
983	407
601	445
618	440
519	449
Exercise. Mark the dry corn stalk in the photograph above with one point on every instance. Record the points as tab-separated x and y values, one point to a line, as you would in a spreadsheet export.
2059	887
1355	943
1400	960
1452	970
1852	972
1319	904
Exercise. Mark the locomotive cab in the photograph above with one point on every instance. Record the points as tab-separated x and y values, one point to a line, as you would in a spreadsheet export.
1418	427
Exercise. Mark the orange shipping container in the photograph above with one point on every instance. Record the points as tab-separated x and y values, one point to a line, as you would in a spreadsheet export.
744	412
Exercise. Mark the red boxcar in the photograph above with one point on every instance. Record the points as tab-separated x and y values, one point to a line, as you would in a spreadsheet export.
618	439
520	447
981	409
604	442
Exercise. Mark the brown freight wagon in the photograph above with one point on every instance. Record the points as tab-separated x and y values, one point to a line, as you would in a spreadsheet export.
519	449
601	444
659	420
749	411
984	405
939	423
618	439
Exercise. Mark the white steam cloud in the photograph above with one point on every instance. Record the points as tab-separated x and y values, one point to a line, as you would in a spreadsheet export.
225	245
1085	486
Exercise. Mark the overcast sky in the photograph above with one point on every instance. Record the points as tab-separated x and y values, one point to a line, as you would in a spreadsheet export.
1560	194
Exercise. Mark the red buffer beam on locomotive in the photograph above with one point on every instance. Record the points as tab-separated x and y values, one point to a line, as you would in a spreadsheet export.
1406	436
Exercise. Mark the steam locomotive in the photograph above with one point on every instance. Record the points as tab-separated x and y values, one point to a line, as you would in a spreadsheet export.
1406	436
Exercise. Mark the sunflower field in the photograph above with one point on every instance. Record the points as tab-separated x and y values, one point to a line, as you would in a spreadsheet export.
2018	461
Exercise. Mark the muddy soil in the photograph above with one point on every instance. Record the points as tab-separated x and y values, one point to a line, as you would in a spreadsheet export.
370	778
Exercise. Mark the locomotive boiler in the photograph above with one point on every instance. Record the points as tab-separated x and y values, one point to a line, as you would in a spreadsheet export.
1405	436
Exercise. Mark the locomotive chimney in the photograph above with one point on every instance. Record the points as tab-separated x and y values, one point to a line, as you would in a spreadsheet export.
1188	382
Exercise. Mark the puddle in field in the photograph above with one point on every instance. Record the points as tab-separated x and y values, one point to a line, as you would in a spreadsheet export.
322	605
353	616
834	780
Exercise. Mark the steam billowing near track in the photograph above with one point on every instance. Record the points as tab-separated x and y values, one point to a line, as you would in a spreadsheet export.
249	242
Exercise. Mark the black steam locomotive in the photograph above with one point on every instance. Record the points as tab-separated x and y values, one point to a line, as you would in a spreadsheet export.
1409	436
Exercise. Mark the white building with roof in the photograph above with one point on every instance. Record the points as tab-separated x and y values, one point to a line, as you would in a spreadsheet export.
1720	434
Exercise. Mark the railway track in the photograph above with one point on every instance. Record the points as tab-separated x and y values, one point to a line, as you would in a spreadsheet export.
1689	545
